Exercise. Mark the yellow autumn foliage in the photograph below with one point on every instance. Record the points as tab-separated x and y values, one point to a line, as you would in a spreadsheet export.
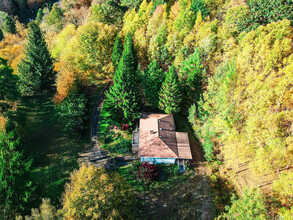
96	194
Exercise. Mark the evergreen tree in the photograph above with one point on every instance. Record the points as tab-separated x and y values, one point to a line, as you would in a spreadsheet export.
170	95
8	85
191	75
9	25
117	52
15	188
199	5
36	69
1	35
124	95
40	16
151	83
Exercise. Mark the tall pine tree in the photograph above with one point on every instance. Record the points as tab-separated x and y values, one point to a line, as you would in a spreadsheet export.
117	52
15	188
170	95
36	69
153	78
191	76
124	95
39	16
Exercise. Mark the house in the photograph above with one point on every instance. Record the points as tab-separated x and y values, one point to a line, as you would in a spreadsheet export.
156	141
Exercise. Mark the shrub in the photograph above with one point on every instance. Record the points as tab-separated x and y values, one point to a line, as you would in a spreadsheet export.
73	112
148	172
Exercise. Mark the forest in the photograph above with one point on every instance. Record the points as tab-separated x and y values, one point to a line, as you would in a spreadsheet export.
223	68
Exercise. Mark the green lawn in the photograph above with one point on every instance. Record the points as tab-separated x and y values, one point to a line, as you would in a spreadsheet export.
54	154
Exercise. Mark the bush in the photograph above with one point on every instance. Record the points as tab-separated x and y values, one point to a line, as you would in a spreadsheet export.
148	172
73	112
120	147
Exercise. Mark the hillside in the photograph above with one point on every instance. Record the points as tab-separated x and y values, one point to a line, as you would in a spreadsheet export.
223	68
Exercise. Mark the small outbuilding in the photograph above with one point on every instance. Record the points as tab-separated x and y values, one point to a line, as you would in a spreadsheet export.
156	141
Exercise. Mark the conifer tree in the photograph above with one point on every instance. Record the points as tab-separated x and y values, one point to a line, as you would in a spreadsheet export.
1	35
151	83
36	69
15	188
8	85
117	52
40	15
191	75
170	95
9	25
124	95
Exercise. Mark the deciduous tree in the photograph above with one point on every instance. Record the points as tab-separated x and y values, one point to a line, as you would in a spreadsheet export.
95	194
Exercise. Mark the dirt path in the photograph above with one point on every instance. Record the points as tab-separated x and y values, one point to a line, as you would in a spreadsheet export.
96	156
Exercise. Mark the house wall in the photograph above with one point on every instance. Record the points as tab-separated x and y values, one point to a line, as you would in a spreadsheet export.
158	160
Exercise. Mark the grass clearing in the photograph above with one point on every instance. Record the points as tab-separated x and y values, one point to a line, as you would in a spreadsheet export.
54	153
184	196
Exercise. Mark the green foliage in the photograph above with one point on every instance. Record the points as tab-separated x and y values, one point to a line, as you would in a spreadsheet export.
152	80
36	69
216	106
110	12
15	189
39	16
8	25
8	85
1	35
117	52
73	112
170	94
124	95
131	3
95	194
263	12
191	75
251	205
55	17
199	5
118	143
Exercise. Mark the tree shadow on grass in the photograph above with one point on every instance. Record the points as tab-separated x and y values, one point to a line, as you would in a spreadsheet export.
54	154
